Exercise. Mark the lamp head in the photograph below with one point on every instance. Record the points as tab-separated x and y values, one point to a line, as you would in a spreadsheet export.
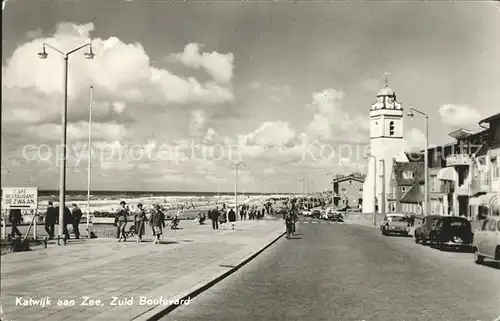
43	54
410	113
90	54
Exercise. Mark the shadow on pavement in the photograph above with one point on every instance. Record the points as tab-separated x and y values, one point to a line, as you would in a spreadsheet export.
491	264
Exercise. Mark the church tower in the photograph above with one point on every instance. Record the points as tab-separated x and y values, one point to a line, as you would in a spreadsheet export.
386	144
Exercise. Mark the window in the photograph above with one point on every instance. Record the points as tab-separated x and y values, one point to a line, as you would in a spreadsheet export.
495	168
407	174
492	225
344	190
391	128
403	188
360	189
498	225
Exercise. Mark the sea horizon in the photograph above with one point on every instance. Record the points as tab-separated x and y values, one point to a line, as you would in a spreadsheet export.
50	192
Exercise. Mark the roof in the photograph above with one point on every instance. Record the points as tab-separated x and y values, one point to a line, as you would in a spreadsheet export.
460	133
349	177
398	168
414	195
415	157
483	150
386	91
490	119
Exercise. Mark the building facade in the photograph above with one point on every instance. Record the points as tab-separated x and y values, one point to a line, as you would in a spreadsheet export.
485	169
386	145
348	192
464	176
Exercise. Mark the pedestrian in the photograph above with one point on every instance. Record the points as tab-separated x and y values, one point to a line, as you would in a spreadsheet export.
67	219
121	222
232	217
50	220
157	223
15	218
223	219
77	216
215	218
139	221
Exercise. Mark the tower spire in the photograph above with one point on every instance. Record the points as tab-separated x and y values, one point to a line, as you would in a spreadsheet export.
386	74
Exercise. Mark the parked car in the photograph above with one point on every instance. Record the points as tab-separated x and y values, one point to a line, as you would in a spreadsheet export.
451	231
486	242
423	231
395	224
316	214
324	214
306	213
335	216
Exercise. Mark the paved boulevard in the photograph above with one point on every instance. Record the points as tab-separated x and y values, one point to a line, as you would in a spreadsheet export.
346	272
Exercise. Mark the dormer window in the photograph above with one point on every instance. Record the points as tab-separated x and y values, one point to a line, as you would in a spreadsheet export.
408	175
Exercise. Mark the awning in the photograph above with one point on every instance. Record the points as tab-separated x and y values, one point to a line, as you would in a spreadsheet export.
446	174
489	199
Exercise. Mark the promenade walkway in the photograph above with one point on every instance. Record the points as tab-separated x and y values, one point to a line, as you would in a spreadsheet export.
101	269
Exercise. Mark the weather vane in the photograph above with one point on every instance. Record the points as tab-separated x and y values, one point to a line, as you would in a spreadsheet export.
386	74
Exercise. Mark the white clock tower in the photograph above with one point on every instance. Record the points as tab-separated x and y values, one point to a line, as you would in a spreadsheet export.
386	144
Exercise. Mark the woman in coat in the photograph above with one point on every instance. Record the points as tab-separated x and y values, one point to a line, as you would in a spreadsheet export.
139	222
232	217
157	222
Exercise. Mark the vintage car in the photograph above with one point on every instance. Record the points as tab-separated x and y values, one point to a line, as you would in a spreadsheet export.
486	243
395	224
335	216
316	214
451	232
423	231
306	213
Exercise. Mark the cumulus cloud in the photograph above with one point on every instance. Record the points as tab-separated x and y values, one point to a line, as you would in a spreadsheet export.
197	123
118	107
219	66
79	131
459	115
331	122
414	140
119	70
277	133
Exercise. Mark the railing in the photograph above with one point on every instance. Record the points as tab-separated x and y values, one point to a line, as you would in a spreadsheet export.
458	159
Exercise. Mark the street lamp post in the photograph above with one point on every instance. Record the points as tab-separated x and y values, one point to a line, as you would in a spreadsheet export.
426	158
62	178
89	178
374	188
236	166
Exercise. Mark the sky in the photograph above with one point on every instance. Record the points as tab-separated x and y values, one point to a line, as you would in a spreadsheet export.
182	91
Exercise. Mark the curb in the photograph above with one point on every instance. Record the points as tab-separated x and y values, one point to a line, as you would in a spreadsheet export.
160	311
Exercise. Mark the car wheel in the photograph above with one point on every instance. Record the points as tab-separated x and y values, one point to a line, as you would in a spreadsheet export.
478	258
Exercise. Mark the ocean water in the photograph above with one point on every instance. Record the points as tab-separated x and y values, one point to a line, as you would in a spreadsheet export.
110	200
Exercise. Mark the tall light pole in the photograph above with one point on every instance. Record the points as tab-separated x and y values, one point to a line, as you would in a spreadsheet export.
89	177
303	180
62	178
237	167
262	191
426	157
374	187
333	186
